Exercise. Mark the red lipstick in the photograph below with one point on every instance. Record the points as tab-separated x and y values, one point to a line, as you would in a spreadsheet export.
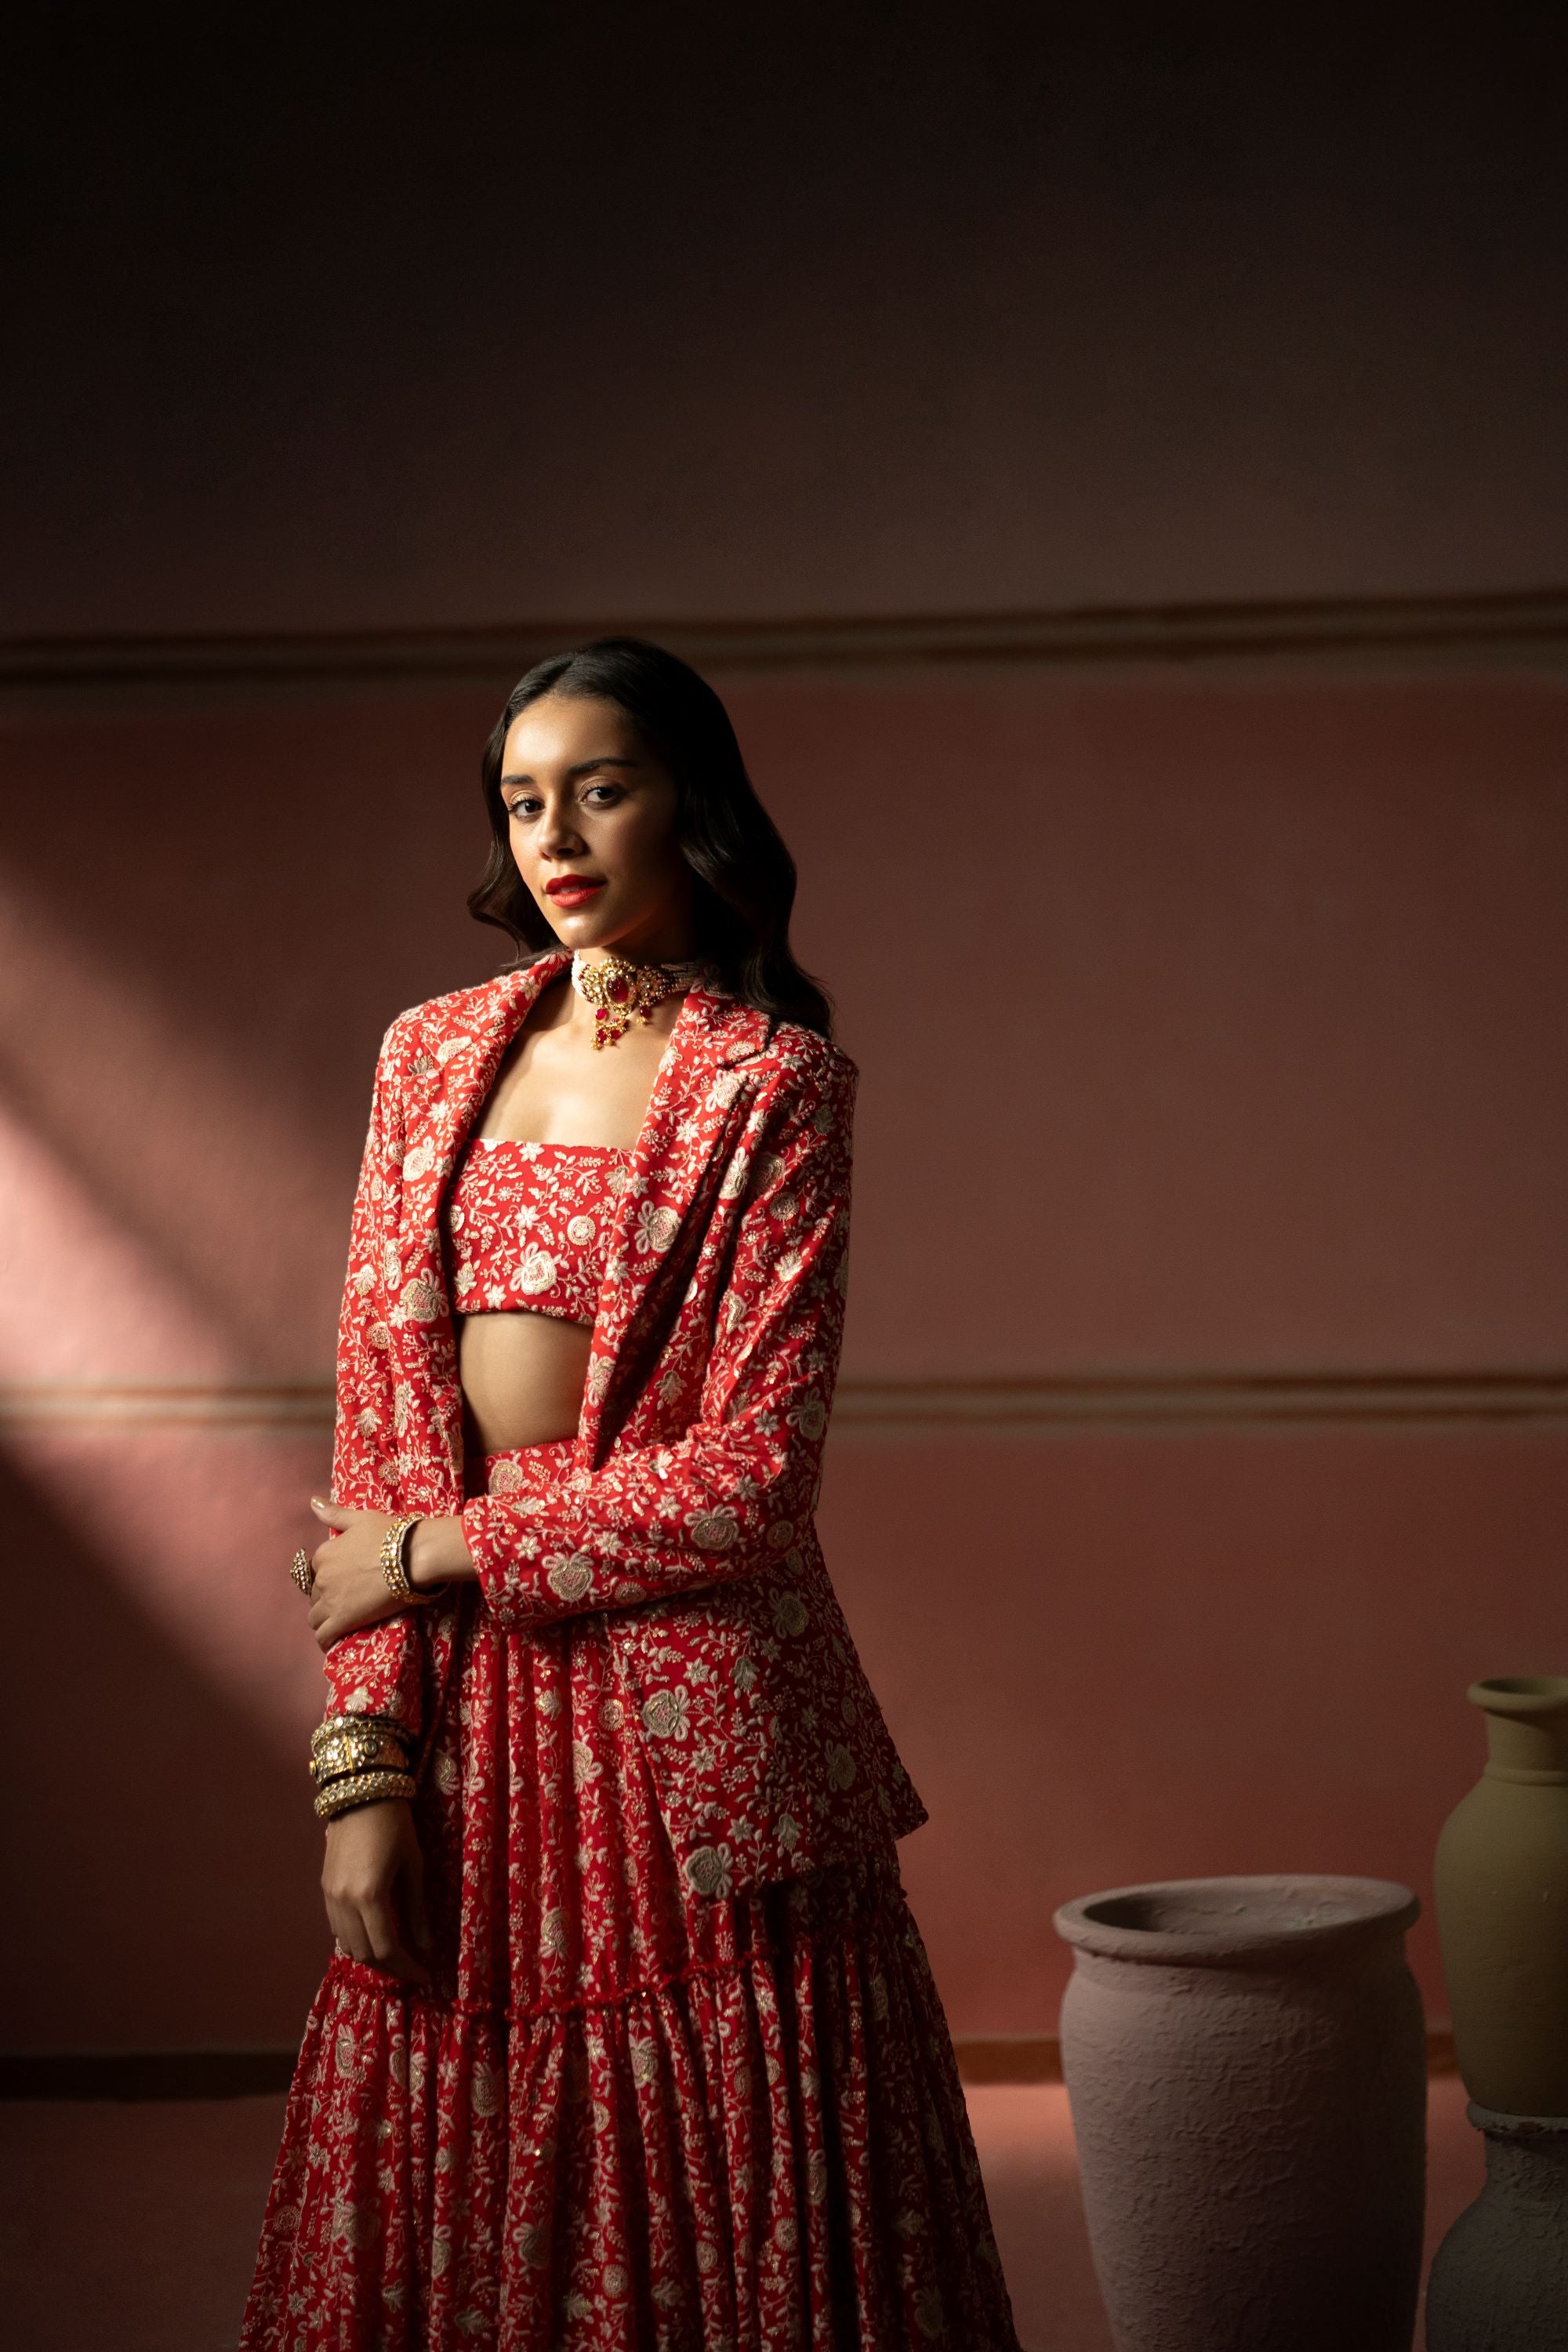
570	890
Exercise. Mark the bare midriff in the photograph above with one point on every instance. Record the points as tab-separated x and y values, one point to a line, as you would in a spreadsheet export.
523	1377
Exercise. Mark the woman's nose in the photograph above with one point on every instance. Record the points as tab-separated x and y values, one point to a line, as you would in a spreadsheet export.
558	834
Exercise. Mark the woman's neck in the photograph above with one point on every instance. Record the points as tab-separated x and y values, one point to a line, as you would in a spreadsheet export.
671	943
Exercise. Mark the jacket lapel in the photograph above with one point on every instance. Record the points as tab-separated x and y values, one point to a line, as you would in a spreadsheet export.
456	1071
695	1112
459	1074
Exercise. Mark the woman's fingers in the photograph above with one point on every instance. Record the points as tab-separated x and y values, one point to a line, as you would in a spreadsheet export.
368	1932
387	1944
412	1901
350	1589
372	1854
323	1620
348	1929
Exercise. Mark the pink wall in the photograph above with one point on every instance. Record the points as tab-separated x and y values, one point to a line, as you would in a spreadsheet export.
1208	1026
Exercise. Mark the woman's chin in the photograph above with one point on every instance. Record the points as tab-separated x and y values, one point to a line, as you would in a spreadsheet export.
580	927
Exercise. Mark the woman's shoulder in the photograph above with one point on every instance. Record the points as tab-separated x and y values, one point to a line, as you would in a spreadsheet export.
780	1056
441	1025
799	1075
809	1059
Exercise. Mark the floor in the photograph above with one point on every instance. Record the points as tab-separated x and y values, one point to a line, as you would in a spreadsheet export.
132	2227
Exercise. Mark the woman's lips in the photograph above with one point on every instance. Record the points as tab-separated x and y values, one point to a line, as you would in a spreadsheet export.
572	889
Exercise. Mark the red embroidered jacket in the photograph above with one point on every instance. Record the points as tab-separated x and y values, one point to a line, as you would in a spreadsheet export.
686	1513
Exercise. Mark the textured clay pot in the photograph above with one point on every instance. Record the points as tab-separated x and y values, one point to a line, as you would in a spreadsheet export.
1499	2283
1502	1903
1245	2060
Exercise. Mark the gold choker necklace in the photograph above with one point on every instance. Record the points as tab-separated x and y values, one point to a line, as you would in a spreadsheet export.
622	993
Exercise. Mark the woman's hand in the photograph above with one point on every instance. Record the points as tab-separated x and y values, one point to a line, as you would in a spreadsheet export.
349	1589
373	1879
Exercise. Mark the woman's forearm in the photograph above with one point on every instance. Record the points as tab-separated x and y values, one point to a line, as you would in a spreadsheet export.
438	1554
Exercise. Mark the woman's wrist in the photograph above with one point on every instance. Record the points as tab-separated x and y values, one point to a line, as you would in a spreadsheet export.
437	1553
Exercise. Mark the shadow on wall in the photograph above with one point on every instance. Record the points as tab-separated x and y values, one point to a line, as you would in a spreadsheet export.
164	1860
1273	1082
190	1016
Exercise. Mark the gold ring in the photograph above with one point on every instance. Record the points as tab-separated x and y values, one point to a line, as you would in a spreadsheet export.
304	1574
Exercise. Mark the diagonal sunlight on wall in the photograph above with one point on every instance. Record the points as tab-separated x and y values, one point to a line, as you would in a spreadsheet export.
85	1298
197	1525
163	1137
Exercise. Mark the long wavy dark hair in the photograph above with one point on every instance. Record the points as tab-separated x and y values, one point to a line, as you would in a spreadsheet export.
745	878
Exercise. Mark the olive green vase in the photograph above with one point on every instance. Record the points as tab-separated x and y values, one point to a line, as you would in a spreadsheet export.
1502	1903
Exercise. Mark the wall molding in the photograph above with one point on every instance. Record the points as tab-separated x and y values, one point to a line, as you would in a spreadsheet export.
1033	1408
212	1405
873	1410
138	2075
141	2075
1528	625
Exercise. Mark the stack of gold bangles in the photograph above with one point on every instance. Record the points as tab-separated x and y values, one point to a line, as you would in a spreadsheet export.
359	1759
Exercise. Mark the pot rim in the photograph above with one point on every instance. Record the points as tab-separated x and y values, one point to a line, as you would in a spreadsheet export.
1521	1695
1349	1909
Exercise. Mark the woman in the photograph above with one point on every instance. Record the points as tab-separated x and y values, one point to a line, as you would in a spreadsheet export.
628	2037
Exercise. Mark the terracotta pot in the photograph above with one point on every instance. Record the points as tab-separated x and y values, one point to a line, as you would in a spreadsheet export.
1245	2060
1499	2282
1502	1903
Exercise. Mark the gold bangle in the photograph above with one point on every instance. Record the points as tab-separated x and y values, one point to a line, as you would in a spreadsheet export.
334	1725
372	1752
362	1788
346	1744
392	1548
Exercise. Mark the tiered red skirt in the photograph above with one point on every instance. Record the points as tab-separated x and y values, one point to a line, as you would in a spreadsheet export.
626	2117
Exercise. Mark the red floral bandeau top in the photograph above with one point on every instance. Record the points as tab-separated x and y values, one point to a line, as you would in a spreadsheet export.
528	1226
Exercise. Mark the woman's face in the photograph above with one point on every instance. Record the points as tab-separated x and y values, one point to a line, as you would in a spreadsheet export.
592	819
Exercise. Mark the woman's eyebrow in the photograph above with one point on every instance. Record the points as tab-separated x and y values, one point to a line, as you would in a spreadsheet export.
580	768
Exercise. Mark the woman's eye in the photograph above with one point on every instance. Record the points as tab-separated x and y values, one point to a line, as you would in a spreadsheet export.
522	807
603	796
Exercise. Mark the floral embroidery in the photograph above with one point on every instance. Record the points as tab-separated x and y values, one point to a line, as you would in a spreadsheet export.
657	1228
535	1271
525	1226
569	1579
810	1418
791	1615
469	2183
713	1530
708	1870
667	1518
666	1714
619	1692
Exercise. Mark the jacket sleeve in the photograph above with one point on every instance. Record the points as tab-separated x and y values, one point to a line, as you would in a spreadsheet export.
378	1669
724	1500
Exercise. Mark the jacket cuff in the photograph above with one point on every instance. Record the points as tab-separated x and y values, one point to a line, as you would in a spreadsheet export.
375	1671
528	1567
